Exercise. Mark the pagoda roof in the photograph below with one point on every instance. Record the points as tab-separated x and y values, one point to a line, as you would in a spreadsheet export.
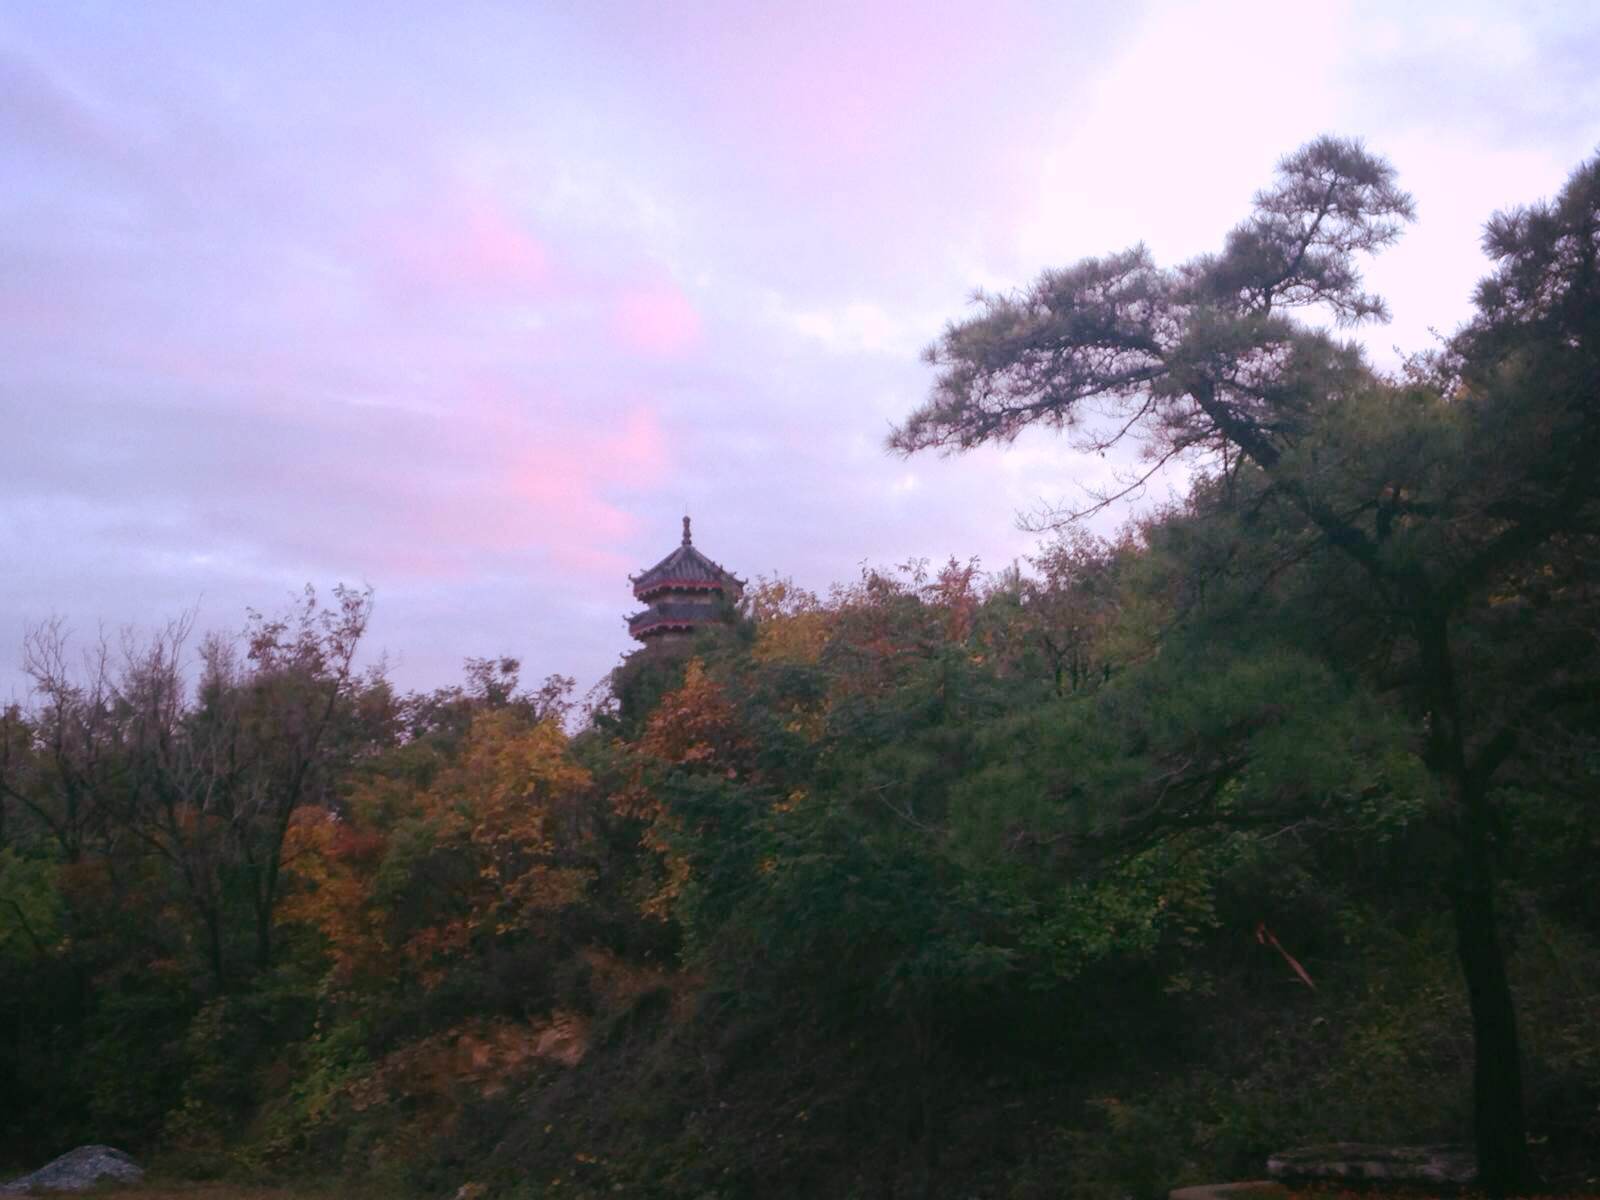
684	568
665	616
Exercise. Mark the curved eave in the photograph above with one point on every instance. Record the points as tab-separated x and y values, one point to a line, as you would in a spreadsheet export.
645	631
685	566
649	590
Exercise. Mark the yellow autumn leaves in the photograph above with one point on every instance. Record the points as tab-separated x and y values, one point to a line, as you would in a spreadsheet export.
492	846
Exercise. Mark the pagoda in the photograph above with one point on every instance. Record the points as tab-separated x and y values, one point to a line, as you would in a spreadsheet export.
683	592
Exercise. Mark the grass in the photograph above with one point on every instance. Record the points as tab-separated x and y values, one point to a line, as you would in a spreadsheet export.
167	1189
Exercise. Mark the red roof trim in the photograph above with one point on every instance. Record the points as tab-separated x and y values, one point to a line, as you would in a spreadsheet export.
661	626
681	585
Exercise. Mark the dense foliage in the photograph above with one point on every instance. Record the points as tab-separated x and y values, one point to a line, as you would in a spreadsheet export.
1095	877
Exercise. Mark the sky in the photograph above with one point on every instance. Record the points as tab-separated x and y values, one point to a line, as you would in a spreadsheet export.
469	303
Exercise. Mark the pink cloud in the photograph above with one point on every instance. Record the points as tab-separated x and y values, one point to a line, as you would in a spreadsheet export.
640	448
831	84
561	483
544	484
472	243
656	320
510	478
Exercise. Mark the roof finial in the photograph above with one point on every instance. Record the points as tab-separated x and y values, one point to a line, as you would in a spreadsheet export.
686	530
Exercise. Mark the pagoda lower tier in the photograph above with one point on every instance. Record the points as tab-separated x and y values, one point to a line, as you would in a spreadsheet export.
685	592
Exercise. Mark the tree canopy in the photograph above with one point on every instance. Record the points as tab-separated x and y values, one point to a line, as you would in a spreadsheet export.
1449	494
1113	871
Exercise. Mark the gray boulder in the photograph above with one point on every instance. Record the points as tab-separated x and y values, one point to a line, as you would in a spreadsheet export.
1361	1161
78	1169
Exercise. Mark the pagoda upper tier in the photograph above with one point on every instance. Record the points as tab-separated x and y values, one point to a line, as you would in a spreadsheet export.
684	592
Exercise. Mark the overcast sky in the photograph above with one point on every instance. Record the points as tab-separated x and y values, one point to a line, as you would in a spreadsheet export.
471	302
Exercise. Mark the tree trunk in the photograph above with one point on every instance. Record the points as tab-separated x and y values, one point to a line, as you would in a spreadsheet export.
1499	1127
263	938
213	924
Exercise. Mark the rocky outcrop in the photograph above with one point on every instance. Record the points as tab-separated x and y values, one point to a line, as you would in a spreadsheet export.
565	1040
78	1169
1363	1162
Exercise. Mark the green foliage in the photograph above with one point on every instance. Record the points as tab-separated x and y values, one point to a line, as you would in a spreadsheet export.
301	1127
1408	535
1101	876
32	914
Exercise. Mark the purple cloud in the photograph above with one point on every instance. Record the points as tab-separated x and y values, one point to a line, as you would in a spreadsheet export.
472	304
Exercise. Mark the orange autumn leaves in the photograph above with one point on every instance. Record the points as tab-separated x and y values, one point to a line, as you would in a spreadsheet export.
696	725
491	847
516	801
441	847
424	865
695	728
331	865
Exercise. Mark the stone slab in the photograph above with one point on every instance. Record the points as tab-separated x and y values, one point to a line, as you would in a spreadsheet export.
77	1170
1363	1162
